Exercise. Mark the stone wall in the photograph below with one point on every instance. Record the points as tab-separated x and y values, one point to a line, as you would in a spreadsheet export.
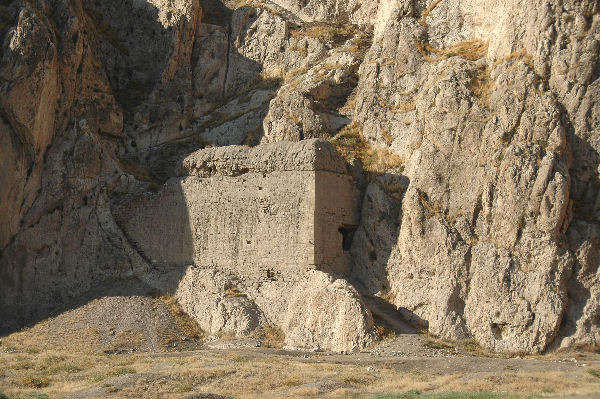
275	217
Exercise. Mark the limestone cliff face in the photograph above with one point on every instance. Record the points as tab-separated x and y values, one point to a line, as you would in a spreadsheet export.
490	106
490	229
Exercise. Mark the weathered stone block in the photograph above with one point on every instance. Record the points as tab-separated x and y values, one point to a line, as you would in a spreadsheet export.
277	209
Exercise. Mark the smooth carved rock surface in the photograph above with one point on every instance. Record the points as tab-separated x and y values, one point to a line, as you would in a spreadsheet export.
488	231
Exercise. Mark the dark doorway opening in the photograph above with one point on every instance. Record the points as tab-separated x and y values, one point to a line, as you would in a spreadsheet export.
347	233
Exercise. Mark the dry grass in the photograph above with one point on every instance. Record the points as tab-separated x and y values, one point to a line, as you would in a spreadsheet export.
296	72
482	85
384	333
395	190
253	137
184	322
326	33
433	209
352	145
594	372
468	346
517	56
266	80
400	108
34	382
115	372
234	292
471	50
251	374
387	137
404	107
270	337
360	44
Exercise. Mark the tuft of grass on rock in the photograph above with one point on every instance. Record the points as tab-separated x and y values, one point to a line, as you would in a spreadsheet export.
184	322
423	19
482	85
234	292
351	144
266	80
471	50
383	332
326	33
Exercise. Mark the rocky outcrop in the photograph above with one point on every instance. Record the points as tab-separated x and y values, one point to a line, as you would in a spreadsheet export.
59	123
327	313
488	230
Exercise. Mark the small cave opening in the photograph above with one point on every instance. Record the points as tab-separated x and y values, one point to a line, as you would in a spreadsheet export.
347	233
498	330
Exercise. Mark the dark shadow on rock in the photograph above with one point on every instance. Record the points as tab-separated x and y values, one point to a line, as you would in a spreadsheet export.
144	256
389	316
381	215
214	12
35	284
78	247
126	47
584	229
8	18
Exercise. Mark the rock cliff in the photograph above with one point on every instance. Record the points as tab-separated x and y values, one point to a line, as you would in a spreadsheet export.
470	130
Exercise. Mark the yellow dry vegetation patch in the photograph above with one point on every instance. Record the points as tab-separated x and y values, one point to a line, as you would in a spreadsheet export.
517	56
482	85
471	50
267	373
270	337
351	144
326	33
184	322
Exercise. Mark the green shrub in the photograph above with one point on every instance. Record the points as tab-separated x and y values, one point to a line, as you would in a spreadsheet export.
594	372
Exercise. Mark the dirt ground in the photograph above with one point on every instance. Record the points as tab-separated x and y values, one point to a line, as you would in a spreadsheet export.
144	347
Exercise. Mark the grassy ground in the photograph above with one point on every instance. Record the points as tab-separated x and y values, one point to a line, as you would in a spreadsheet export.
29	373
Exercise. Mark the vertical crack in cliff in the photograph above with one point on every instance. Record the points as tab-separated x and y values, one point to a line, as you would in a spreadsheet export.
227	60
